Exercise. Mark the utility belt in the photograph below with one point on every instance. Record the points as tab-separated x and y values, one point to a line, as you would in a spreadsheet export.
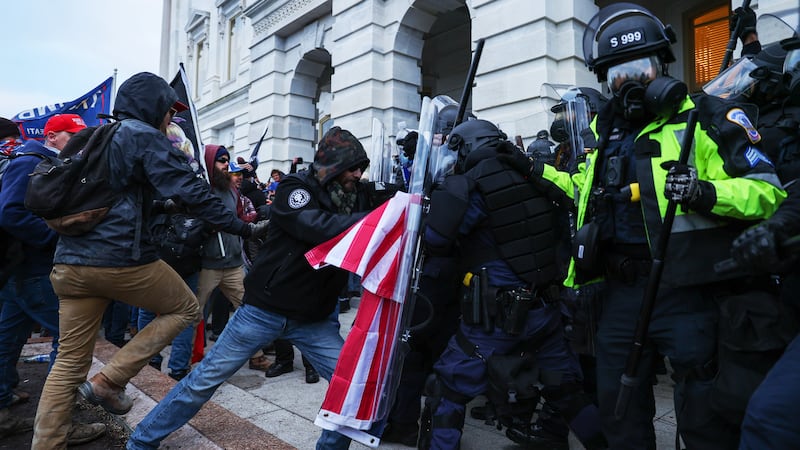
506	309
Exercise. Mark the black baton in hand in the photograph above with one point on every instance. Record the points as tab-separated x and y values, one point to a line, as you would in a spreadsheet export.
629	380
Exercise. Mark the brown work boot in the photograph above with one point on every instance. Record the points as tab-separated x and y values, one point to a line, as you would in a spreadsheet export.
99	390
259	363
11	424
81	433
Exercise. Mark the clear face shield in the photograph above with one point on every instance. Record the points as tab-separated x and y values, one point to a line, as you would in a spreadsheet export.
572	118
733	82
442	159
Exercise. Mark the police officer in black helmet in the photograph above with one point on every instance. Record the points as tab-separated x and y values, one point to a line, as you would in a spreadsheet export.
625	186
500	229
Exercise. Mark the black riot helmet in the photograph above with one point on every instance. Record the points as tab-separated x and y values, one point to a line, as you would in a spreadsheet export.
446	120
755	79
622	32
473	135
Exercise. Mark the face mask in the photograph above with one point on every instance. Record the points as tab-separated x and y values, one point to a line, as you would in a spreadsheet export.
664	96
628	80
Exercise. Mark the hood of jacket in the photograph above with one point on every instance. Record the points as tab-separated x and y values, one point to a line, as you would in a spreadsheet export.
337	151
210	157
146	97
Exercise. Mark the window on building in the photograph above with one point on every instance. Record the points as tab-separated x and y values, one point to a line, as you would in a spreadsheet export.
232	37
710	38
199	67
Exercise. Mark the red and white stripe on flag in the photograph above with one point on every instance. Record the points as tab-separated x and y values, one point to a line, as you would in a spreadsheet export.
370	248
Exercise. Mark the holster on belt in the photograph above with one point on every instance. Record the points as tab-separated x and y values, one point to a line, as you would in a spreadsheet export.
512	311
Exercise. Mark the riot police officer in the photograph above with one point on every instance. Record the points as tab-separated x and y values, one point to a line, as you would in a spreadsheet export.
769	421
542	148
624	188
438	285
502	230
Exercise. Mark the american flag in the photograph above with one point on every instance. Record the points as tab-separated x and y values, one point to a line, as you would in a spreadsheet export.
371	248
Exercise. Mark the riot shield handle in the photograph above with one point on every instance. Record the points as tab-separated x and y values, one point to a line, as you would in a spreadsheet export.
473	68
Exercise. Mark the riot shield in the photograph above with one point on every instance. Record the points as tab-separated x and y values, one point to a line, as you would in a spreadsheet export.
380	158
442	159
570	125
411	257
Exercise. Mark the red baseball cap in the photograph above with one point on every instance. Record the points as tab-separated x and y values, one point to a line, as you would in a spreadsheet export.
71	123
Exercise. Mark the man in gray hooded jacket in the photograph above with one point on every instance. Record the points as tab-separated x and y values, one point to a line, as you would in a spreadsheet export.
117	260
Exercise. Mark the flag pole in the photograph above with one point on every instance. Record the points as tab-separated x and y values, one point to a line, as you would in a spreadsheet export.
113	96
193	112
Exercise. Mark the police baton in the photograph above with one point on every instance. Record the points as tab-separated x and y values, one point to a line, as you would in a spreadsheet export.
473	69
737	28
629	380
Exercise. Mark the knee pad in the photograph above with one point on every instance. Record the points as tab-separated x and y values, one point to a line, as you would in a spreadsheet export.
433	418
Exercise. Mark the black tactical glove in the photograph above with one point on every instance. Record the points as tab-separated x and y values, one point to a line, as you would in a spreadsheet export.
258	229
513	157
757	248
686	189
747	17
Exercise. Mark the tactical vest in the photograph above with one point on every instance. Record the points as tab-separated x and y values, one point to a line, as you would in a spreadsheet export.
522	221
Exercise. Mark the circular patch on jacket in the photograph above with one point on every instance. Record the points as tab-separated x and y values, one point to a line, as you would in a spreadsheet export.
299	198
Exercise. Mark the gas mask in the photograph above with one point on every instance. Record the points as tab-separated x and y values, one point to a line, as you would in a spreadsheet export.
641	93
627	82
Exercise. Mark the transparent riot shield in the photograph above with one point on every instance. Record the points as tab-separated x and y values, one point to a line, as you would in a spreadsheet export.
411	256
380	161
570	125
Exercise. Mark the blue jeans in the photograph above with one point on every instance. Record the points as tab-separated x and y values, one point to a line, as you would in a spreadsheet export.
249	329
25	302
181	354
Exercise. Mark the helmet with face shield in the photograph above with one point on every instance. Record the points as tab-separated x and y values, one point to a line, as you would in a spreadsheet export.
755	79
629	48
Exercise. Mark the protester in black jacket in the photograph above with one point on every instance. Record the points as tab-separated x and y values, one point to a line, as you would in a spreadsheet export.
284	296
118	260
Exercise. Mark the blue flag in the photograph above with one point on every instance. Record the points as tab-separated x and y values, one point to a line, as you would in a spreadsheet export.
88	106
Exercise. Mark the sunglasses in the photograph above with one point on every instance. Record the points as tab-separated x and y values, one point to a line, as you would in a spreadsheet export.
223	160
362	167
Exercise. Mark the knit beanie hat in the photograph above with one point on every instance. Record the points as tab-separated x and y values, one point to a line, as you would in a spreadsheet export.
221	151
337	151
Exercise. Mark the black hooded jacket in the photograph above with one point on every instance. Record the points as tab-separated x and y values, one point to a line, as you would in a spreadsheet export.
143	165
302	217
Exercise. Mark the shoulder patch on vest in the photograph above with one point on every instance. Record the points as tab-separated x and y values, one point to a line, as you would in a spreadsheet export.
739	117
299	198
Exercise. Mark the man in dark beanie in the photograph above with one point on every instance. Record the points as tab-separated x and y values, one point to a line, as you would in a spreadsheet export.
284	296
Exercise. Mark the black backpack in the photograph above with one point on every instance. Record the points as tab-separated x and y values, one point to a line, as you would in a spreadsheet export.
179	239
74	195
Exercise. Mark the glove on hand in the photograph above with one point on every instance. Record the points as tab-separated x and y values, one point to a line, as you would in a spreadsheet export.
170	206
258	229
757	247
685	188
521	163
747	17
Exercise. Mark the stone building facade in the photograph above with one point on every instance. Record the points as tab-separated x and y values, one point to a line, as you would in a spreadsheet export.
300	66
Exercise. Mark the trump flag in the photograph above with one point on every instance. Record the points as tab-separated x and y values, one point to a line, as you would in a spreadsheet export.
88	106
372	248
